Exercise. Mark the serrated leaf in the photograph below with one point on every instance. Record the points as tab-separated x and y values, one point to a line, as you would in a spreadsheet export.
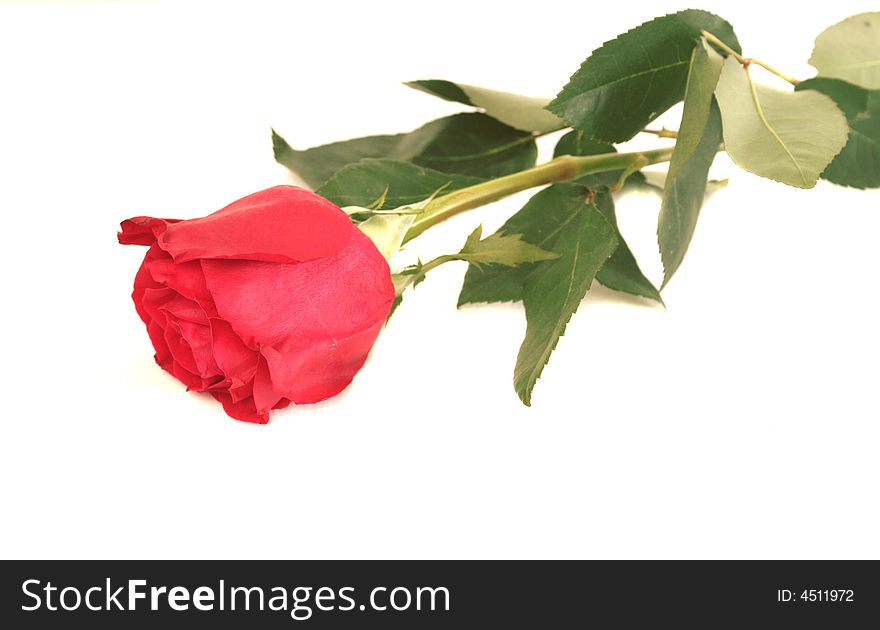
790	137
502	249
469	144
698	139
850	50
629	81
858	164
576	142
521	112
466	144
542	221
553	292
362	183
621	272
318	164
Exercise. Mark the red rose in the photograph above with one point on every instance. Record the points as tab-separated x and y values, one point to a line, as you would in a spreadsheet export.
276	298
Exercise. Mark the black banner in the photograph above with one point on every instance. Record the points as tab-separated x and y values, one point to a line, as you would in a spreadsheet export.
439	594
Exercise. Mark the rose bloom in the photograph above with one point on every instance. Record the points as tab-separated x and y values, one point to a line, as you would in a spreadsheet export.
276	298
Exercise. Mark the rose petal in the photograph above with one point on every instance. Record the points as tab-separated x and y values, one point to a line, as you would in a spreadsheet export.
180	349
244	410
311	372
183	309
185	278
335	297
142	230
143	281
157	336
234	358
264	396
198	338
241	392
281	224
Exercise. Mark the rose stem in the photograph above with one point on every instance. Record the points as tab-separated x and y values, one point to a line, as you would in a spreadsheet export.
561	169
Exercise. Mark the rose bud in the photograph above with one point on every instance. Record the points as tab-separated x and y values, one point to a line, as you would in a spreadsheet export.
276	298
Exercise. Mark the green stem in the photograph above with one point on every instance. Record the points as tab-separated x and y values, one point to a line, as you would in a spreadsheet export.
561	169
747	61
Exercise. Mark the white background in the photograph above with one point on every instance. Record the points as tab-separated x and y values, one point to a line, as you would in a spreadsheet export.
741	422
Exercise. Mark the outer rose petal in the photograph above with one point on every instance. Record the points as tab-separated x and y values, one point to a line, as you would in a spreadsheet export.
280	224
265	397
268	303
143	281
163	354
315	322
246	409
314	372
142	230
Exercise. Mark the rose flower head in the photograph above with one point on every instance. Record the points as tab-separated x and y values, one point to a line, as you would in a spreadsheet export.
276	298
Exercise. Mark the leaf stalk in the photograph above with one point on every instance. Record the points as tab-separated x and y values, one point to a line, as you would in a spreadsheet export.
747	61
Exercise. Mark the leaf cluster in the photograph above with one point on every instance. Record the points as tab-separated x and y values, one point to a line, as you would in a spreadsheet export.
548	254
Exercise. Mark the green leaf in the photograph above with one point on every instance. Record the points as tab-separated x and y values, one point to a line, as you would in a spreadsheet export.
576	142
553	292
466	144
621	272
498	249
542	221
699	137
316	165
631	80
469	144
858	165
850	50
501	249
790	137
362	183
521	112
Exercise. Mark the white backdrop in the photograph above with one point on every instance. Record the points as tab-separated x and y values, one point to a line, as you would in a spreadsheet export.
741	422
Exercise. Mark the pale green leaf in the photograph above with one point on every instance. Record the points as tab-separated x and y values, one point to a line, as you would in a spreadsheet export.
698	140
387	231
521	112
554	290
631	80
790	137
502	249
858	165
850	50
